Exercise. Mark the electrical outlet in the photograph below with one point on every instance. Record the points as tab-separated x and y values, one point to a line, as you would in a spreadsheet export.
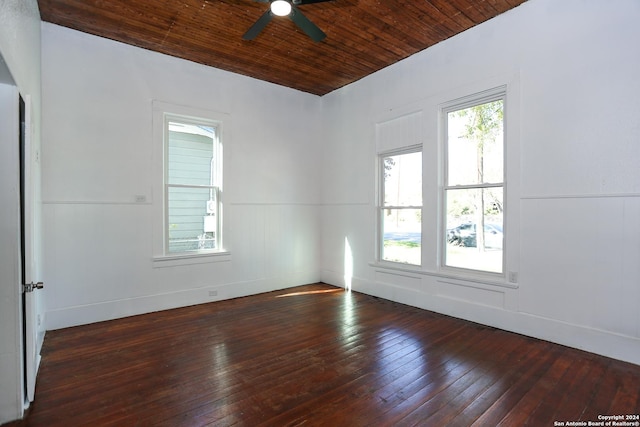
513	277
213	293
39	320
140	198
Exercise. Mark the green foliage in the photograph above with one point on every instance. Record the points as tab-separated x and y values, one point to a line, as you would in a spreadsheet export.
484	121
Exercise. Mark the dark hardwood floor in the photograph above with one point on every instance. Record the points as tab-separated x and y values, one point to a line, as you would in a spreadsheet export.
316	355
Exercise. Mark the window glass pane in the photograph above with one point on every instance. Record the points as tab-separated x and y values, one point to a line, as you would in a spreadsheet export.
403	179
402	235
475	145
192	220
190	154
468	211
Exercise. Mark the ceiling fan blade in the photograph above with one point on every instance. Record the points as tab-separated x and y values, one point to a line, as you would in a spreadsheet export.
307	26
259	25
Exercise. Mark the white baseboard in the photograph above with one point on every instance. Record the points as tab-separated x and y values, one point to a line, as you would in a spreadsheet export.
108	310
605	343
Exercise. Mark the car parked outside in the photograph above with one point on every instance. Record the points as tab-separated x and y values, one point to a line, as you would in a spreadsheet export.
465	235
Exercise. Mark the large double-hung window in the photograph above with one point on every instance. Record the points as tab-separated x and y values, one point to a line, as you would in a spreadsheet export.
474	187
192	185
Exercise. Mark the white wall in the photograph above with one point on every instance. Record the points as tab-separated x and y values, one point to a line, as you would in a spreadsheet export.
573	156
99	154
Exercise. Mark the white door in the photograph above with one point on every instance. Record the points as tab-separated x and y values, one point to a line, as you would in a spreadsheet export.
29	270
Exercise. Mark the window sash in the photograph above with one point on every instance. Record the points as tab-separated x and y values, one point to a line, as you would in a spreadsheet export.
472	186
498	94
205	236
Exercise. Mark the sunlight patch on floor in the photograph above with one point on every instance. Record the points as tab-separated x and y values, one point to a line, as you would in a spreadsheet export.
323	291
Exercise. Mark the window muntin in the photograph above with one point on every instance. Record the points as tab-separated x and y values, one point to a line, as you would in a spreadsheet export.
400	210
192	181
474	185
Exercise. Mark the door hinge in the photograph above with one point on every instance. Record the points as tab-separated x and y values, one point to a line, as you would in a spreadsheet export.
30	287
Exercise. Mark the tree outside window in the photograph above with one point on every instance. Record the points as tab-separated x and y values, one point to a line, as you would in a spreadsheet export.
474	186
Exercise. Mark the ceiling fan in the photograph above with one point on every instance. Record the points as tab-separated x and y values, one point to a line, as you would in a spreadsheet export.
286	8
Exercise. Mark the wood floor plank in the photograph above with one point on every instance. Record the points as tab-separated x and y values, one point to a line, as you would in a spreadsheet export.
602	394
557	398
506	375
316	355
538	392
626	395
449	405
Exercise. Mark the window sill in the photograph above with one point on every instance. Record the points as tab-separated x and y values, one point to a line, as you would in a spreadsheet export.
469	277
162	261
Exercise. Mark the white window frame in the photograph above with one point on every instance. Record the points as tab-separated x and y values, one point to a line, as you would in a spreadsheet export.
216	190
162	114
381	206
496	94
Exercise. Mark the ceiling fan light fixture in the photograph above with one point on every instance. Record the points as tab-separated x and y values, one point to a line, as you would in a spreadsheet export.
280	7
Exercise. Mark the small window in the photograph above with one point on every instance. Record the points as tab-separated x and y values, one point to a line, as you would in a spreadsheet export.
474	184
400	210
192	185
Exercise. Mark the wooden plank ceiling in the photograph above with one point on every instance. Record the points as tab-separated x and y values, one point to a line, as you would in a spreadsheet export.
363	36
